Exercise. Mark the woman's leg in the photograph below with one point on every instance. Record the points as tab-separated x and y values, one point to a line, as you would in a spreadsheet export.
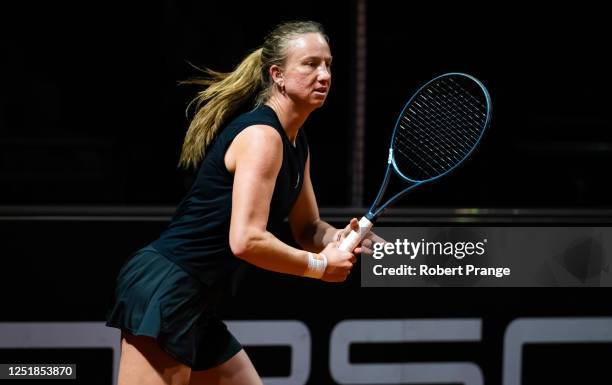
238	370
144	362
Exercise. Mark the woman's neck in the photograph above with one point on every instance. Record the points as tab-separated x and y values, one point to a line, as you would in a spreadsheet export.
290	116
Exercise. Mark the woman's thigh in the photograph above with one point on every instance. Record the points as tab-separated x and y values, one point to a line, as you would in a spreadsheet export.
238	370
144	362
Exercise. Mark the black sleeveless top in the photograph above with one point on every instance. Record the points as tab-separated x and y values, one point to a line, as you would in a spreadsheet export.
197	238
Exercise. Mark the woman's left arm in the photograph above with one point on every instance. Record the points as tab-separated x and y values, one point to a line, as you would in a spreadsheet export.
312	233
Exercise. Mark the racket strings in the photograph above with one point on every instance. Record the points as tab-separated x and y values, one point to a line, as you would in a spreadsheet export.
474	110
411	159
452	110
423	146
438	125
439	128
420	149
427	128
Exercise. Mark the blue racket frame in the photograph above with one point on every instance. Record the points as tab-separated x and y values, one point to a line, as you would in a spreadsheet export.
374	213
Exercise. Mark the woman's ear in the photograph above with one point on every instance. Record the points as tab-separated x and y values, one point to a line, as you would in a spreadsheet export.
276	74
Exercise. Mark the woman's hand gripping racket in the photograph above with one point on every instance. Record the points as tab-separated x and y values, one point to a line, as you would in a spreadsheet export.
436	131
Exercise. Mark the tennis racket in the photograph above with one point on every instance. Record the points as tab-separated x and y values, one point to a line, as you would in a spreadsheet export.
436	131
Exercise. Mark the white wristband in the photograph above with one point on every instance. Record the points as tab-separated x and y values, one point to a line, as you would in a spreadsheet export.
316	267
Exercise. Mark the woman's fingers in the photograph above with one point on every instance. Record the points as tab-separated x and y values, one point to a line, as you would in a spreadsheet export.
342	268
375	238
352	226
365	247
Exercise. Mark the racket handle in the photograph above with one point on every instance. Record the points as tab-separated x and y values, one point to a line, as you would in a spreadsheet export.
354	238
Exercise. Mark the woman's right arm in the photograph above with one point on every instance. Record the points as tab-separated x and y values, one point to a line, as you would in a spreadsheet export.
255	158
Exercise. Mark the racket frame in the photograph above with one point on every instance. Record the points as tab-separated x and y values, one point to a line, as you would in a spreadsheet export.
374	210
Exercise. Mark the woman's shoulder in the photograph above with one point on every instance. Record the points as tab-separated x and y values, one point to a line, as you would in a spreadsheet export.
253	131
260	134
259	115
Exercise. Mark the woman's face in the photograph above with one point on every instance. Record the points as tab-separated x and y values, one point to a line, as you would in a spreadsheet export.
307	70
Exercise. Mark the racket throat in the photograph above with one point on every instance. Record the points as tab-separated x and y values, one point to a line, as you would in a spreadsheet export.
370	216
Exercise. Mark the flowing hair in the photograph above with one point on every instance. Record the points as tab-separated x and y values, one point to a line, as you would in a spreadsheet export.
225	93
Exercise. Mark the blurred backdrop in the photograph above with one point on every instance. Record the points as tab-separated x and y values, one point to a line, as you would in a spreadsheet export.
91	124
91	112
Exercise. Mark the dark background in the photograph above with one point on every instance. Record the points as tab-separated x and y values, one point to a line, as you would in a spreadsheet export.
90	109
91	113
91	116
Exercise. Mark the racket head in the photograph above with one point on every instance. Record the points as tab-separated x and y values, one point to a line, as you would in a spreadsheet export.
439	127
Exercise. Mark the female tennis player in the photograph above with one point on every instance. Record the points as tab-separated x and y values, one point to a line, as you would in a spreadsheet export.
252	173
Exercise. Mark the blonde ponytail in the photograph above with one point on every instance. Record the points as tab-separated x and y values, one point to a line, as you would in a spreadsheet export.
224	94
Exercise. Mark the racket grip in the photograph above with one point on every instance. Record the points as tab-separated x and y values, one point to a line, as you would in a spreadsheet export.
354	238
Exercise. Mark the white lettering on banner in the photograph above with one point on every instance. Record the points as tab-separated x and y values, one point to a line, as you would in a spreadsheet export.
295	334
389	331
548	331
37	335
41	335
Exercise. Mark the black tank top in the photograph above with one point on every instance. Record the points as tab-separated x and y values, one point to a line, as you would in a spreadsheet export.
197	238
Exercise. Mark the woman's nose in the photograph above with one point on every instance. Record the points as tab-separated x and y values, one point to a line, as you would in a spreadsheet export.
324	73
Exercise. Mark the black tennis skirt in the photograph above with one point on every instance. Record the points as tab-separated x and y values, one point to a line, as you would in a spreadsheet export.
155	297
